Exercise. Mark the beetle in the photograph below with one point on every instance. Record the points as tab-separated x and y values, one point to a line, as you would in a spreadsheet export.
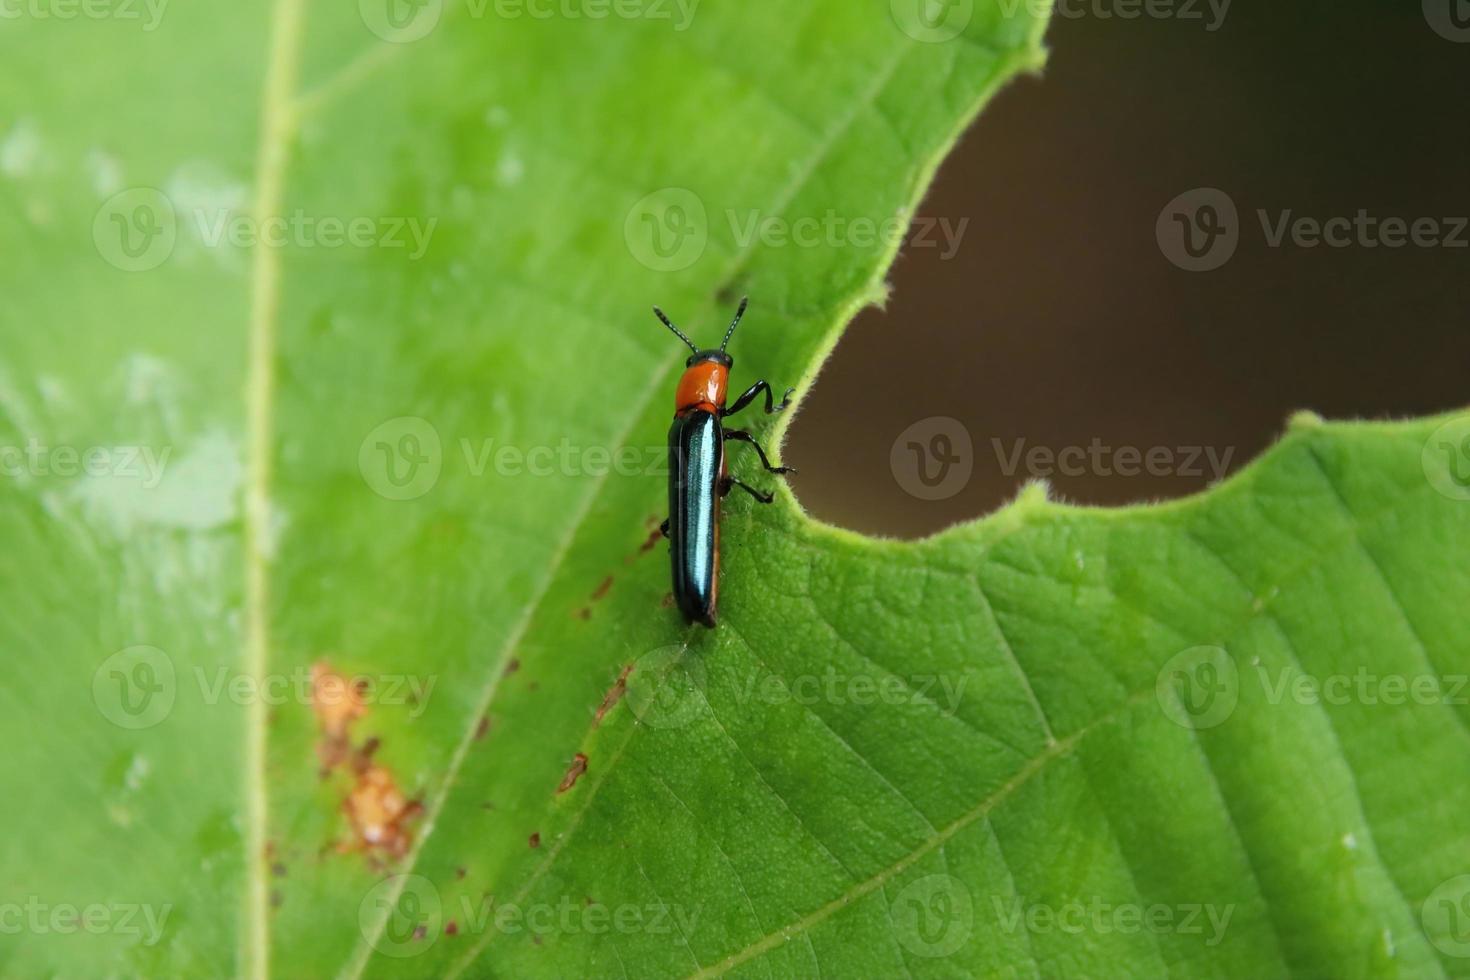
698	476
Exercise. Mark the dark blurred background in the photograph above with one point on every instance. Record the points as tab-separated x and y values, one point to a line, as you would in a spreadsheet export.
1062	319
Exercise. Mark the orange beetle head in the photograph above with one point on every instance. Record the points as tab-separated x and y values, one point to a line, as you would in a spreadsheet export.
707	372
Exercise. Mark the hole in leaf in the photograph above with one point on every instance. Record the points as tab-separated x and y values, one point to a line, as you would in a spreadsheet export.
1067	345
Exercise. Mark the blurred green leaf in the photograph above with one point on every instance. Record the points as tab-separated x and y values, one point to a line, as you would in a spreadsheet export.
327	348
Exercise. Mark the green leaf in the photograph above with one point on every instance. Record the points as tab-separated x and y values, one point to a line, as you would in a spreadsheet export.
1055	741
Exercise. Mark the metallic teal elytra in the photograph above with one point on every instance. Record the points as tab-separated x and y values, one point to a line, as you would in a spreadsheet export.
698	478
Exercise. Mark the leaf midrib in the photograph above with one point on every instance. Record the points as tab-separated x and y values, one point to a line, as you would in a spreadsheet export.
272	155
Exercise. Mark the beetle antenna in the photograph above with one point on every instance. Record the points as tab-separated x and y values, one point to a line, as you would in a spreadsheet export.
744	302
677	332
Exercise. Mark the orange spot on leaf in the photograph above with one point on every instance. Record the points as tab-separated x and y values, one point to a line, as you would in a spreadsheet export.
377	810
613	696
574	771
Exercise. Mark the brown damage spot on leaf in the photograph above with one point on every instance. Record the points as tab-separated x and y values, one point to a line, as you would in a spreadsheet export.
483	728
377	810
337	704
613	696
585	613
379	814
451	928
460	873
513	666
655	535
574	771
668	600
534	840
603	588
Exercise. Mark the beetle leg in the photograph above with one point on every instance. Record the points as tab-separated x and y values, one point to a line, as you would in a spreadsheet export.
740	435
664	527
730	481
752	393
